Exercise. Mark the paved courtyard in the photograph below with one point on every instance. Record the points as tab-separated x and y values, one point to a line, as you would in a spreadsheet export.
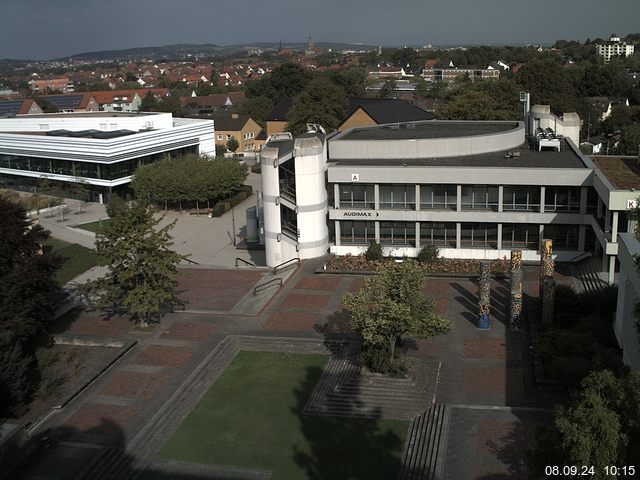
484	376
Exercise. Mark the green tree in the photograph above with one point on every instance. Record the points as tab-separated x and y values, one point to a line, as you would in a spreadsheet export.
143	271
321	102
388	88
600	428
549	84
391	305
469	105
257	108
286	80
232	144
149	103
351	79
630	141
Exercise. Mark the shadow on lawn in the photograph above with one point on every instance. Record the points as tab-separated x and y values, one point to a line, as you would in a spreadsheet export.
343	447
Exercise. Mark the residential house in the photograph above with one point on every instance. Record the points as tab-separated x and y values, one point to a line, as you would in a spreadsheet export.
22	106
449	73
614	48
241	127
366	112
211	104
72	102
125	100
61	84
607	104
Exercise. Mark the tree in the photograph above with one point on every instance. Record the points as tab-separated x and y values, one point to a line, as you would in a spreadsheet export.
149	103
600	427
257	108
549	84
143	271
470	105
630	141
388	88
29	294
286	80
321	102
391	305
232	144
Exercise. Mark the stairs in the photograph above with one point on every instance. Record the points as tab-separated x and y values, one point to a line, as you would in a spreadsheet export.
587	271
426	445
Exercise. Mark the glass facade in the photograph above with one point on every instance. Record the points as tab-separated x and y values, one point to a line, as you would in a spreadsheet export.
480	197
562	199
287	176
90	170
357	233
443	234
398	196
479	235
357	196
565	237
289	222
438	197
521	198
398	233
520	236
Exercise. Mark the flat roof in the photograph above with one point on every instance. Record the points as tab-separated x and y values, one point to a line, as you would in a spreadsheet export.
87	114
528	158
427	129
622	172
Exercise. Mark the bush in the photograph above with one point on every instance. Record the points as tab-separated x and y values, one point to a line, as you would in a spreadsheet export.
256	168
374	252
376	359
428	254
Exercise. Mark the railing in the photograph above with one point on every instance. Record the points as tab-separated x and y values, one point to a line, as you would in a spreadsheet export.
238	259
269	284
191	261
580	257
286	264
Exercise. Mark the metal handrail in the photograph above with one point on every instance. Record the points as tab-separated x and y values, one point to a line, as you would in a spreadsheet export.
286	264
238	259
265	285
191	261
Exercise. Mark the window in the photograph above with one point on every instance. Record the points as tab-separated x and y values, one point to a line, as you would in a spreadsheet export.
443	234
520	236
287	178
289	222
479	235
479	197
398	196
523	198
562	199
357	233
398	233
439	197
228	137
356	196
565	237
220	137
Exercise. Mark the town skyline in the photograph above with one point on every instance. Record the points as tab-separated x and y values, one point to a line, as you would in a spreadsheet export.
48	31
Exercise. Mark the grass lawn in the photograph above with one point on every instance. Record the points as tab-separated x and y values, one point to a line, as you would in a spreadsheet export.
93	226
252	418
77	259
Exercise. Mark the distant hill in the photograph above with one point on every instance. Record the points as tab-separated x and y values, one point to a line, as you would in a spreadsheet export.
182	50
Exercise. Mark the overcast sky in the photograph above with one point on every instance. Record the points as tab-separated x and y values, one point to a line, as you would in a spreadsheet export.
45	29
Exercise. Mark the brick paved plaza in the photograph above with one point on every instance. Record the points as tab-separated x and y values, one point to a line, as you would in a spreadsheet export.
484	376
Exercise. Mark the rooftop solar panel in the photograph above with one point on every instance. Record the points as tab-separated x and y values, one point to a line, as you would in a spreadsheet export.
64	102
10	107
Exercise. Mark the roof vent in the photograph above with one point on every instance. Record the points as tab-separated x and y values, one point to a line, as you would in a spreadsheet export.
512	155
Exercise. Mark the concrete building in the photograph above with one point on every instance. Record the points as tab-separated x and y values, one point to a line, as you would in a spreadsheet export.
100	149
53	84
614	48
624	326
472	189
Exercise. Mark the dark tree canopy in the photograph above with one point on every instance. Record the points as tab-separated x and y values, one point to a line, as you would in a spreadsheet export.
321	102
549	84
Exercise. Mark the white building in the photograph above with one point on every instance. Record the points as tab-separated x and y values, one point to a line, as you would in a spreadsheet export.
103	149
472	189
624	326
614	48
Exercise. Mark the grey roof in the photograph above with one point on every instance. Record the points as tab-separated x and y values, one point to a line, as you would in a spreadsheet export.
388	110
430	129
229	123
528	158
10	107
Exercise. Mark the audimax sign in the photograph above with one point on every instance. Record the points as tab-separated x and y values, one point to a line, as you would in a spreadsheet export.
364	214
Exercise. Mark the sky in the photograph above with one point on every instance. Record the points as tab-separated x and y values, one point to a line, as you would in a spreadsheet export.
46	29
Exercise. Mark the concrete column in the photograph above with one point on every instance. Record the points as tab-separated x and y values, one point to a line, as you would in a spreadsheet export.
458	235
417	196
459	198
376	200
583	200
500	235
417	234
337	232
614	227
542	191
500	199
582	233
336	195
378	232
612	268
540	236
